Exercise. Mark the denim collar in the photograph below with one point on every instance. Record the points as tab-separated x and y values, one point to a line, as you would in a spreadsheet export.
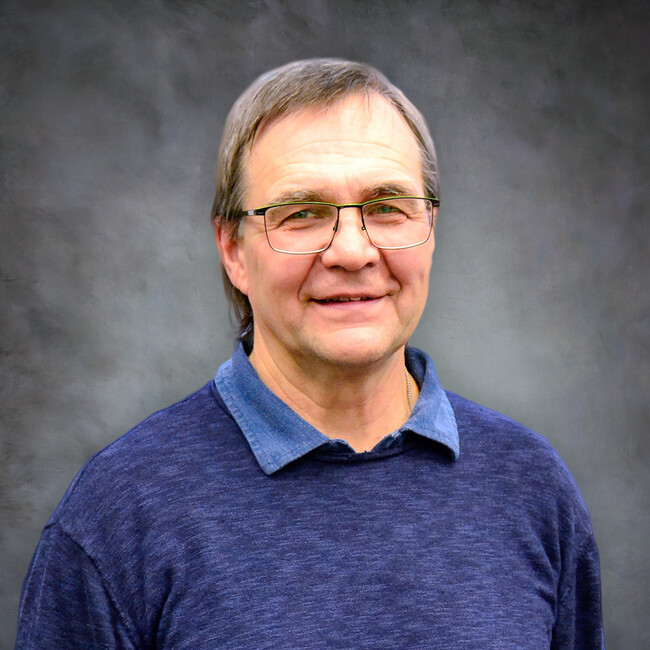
277	435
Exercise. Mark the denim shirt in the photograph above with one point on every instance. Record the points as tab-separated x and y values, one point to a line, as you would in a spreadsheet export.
277	435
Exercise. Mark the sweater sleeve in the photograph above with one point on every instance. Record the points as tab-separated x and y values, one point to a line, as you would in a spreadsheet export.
579	622
65	603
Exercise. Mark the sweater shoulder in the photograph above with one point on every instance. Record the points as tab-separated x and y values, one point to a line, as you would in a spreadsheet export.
161	451
520	459
478	424
182	423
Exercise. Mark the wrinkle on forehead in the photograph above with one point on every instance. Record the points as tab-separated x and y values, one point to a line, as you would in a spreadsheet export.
322	195
361	108
365	102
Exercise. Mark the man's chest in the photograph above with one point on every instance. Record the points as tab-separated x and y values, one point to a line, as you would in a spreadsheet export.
391	577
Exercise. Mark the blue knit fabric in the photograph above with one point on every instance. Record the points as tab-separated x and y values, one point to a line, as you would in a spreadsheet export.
175	537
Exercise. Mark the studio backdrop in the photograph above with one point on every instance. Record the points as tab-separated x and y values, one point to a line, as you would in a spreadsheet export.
110	285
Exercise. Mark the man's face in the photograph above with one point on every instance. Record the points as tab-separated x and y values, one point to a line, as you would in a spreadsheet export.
357	150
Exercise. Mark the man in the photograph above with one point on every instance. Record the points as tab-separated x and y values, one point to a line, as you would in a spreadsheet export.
323	491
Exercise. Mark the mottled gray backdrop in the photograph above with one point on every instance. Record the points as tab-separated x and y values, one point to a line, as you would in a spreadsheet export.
110	284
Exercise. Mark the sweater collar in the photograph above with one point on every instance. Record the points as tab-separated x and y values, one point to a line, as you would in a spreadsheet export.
277	435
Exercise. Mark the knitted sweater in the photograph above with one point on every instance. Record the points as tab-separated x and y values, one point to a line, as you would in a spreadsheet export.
174	537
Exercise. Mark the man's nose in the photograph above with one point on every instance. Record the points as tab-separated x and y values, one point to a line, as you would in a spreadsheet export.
350	247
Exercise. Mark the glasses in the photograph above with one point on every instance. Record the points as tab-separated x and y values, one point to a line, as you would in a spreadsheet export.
390	224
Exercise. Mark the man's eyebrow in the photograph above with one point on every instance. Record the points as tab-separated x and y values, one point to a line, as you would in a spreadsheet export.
376	191
302	196
381	190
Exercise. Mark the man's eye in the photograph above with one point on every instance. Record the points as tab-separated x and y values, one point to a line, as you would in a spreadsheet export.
304	215
300	215
380	209
294	217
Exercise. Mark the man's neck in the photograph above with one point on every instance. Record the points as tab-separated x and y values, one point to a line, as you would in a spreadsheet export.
360	405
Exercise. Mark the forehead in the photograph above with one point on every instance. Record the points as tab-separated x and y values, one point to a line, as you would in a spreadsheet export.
359	142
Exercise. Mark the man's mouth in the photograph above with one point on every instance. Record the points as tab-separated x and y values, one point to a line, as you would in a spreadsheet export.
345	299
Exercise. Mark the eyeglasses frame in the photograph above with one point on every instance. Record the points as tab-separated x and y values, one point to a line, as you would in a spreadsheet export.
262	212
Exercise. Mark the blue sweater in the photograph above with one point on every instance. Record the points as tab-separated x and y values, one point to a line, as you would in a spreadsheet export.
175	536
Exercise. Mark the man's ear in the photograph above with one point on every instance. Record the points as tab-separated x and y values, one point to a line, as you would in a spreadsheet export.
231	253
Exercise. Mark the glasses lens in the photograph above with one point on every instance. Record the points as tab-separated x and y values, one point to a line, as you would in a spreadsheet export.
398	222
300	227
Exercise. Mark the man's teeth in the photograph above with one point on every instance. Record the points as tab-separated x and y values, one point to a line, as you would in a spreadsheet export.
347	299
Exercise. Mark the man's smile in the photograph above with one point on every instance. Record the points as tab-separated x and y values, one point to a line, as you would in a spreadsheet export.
345	298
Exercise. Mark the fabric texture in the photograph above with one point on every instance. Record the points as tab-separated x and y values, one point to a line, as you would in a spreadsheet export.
175	536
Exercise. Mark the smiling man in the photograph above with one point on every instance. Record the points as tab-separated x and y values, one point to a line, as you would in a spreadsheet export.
323	491
330	327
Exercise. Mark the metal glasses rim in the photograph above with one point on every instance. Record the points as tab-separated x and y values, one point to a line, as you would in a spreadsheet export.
262	212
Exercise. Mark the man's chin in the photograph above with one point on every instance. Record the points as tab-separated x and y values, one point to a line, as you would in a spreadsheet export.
356	349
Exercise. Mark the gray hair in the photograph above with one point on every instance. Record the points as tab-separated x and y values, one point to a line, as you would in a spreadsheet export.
286	90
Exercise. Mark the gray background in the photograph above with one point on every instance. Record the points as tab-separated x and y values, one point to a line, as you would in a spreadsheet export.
110	285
